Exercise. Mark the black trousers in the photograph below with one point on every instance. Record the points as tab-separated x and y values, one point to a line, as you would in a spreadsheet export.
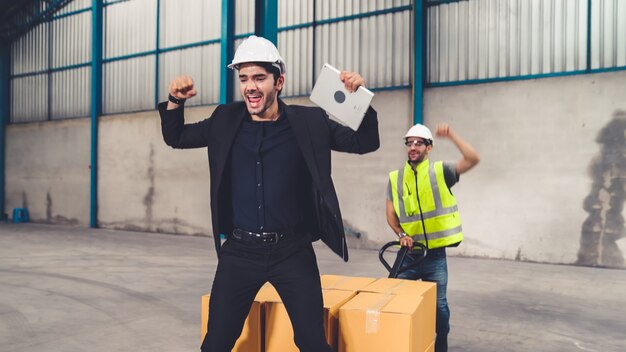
243	267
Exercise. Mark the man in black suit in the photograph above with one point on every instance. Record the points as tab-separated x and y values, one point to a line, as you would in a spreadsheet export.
271	192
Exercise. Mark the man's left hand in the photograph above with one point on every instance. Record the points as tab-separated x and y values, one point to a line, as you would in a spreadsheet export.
351	80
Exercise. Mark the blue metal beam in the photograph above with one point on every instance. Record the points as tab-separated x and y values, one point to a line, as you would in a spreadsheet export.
588	67
156	53
441	2
346	18
50	52
419	53
266	20
228	33
5	110
96	103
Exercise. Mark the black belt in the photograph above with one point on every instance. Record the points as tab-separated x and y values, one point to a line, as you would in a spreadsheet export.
258	237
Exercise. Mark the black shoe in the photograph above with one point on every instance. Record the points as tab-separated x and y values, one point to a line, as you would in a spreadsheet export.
441	344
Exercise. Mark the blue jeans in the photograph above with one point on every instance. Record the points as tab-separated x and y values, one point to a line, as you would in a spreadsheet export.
434	268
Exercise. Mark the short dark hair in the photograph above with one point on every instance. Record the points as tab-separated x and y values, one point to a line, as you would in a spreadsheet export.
275	71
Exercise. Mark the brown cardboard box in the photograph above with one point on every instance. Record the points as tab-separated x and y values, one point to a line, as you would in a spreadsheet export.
278	329
346	283
250	338
428	290
374	322
401	286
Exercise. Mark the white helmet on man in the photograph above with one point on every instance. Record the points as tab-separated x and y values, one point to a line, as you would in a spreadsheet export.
258	49
420	131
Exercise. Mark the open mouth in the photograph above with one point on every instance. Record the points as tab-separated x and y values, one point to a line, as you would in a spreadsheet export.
254	100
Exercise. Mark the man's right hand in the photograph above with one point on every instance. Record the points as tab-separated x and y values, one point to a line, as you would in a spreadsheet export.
181	88
406	241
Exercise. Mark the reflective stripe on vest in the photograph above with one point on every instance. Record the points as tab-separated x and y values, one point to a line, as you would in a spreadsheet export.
436	202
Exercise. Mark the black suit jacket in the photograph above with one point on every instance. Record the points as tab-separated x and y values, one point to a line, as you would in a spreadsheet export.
316	134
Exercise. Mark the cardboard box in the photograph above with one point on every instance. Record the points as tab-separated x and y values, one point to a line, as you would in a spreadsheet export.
346	283
373	322
427	290
252	332
278	329
401	286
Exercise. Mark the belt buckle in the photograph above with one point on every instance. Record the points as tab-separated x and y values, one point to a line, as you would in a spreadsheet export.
274	237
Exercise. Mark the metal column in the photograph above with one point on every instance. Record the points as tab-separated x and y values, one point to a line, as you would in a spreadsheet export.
96	103
228	36
5	110
266	20
419	53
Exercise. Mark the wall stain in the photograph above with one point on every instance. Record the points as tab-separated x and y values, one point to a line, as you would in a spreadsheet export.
167	226
175	220
518	256
358	238
62	220
148	199
24	200
48	207
604	225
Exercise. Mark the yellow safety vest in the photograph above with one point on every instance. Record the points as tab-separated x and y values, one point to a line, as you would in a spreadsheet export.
434	200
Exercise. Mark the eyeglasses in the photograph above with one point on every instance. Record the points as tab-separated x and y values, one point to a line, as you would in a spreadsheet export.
417	143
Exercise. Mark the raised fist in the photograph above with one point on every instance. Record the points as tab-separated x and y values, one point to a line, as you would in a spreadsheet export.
182	87
443	130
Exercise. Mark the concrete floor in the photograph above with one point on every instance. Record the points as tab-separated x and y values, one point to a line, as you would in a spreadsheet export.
74	289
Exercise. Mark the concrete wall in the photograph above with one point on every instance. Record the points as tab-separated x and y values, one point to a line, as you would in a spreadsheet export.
47	170
146	185
549	187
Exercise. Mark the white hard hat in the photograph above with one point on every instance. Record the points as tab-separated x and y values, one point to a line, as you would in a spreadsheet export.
258	49
420	131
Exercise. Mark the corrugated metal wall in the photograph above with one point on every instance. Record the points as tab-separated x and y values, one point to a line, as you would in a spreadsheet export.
197	21
129	85
201	63
45	88
608	33
244	26
71	45
481	39
466	40
29	98
129	28
70	93
75	5
29	94
30	52
376	46
486	39
296	45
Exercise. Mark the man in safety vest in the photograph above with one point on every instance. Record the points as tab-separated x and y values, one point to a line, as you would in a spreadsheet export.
421	207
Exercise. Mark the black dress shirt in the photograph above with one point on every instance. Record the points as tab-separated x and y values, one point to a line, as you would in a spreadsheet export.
269	177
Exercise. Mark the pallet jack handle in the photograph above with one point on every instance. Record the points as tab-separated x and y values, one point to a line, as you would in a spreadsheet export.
394	270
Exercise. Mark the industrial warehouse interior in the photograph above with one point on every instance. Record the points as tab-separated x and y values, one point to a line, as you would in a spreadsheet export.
136	147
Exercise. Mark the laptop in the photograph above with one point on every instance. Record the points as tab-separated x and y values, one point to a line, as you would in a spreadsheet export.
330	94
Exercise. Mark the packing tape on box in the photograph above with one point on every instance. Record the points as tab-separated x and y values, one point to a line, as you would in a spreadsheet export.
339	282
393	288
372	314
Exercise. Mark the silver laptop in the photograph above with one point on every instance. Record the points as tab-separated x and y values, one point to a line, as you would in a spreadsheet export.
330	94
